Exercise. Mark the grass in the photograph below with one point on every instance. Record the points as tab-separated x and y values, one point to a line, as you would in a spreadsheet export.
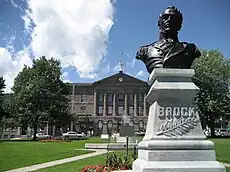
77	165
20	154
221	147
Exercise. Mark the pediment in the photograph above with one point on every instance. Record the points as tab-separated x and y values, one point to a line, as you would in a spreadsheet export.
120	79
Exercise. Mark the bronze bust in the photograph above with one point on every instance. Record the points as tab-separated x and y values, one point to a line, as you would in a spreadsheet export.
168	52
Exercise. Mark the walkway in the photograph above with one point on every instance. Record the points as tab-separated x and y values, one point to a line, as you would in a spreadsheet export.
226	164
57	162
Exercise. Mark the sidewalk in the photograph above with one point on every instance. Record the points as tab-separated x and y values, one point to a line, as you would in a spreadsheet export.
226	164
57	162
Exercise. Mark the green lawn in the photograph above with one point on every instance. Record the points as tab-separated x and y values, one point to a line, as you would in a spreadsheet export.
77	165
19	154
221	146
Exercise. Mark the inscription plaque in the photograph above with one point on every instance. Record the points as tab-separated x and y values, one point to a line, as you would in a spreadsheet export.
178	120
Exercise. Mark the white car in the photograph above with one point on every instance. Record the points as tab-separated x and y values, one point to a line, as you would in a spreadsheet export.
222	132
42	136
73	135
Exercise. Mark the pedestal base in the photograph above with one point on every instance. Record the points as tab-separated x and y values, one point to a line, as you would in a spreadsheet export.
177	156
177	166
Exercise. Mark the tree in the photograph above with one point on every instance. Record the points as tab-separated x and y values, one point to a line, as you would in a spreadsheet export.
2	86
212	76
40	95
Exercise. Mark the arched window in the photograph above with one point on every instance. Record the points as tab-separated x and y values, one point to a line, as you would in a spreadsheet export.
110	124
131	123
100	124
141	125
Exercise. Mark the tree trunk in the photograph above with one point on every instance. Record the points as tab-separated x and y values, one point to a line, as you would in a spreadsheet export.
211	124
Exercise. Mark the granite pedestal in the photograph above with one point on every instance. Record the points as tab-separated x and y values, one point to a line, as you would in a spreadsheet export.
174	140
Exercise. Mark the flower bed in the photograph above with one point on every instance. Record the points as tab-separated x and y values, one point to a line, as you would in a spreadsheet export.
54	140
101	169
113	162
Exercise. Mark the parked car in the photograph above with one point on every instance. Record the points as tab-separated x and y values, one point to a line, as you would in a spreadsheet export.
73	135
42	136
222	132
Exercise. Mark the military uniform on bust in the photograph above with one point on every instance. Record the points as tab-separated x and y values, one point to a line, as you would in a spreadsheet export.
168	52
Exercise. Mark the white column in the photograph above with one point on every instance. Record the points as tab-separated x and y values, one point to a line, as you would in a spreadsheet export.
104	107
95	103
135	105
145	112
126	104
114	104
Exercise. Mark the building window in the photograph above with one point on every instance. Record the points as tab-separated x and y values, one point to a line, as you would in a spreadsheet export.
110	110
140	112
141	125
100	124
130	99
100	99
131	123
140	99
83	98
121	97
131	111
100	110
120	110
110	124
110	99
83	109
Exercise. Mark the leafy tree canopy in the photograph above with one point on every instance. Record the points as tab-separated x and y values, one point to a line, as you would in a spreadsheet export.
39	93
212	76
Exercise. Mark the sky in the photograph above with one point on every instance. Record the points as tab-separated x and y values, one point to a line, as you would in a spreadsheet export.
91	37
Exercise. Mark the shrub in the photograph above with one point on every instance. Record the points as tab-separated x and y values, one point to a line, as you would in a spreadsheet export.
113	162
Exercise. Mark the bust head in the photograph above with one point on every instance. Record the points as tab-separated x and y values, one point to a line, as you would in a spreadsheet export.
170	21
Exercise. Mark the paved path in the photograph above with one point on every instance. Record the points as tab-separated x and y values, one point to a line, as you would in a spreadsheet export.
57	162
226	164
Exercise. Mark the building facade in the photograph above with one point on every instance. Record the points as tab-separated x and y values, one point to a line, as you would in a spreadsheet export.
109	103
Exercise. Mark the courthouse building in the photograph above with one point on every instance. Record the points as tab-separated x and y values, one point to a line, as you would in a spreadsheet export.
109	103
101	106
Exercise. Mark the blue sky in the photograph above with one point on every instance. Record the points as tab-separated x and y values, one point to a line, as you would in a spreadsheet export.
91	37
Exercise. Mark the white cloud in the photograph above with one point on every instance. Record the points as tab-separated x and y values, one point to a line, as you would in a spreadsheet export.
76	32
132	63
140	73
10	67
116	68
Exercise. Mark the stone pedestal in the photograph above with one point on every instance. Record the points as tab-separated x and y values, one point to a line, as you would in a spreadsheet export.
174	140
